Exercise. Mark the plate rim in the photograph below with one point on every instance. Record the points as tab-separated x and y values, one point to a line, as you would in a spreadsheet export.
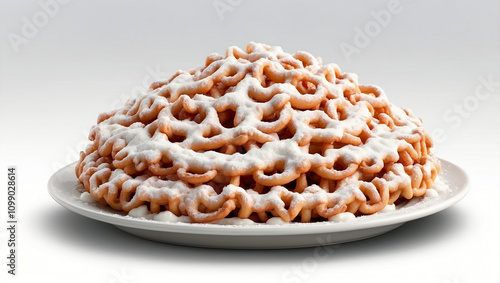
259	229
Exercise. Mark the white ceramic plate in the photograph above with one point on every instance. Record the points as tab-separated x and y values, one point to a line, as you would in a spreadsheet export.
66	190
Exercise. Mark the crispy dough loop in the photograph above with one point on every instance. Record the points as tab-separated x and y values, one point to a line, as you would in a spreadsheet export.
194	178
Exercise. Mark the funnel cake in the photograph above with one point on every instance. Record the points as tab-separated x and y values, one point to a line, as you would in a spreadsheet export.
255	134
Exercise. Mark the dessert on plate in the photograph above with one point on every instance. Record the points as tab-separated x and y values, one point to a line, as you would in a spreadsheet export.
258	134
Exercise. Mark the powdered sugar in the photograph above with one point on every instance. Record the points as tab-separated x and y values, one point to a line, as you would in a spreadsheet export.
87	198
141	146
440	190
181	130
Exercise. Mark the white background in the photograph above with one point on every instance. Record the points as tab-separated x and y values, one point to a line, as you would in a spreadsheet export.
63	64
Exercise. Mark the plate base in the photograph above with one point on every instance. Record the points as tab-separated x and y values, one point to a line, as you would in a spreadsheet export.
259	242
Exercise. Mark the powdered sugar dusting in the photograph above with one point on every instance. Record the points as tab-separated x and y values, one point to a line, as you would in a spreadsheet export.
437	192
337	110
86	197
